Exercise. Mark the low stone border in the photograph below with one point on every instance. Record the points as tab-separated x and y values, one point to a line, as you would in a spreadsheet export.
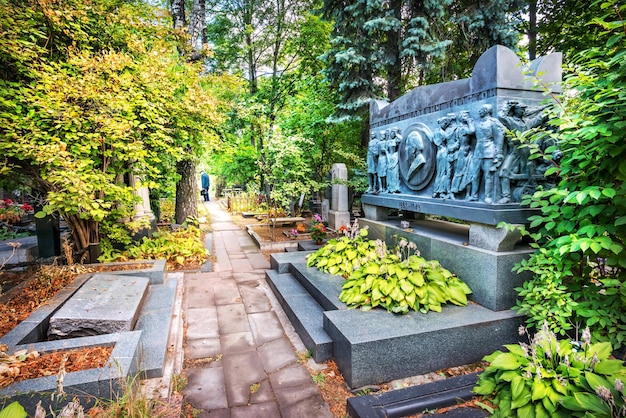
88	385
419	399
156	273
274	246
137	354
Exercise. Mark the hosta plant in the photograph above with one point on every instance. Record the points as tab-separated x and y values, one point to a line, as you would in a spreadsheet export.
401	285
341	256
554	378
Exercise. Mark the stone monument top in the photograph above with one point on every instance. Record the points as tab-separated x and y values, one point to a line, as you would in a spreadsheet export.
447	149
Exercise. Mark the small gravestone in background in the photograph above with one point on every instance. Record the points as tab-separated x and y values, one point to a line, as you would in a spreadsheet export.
339	215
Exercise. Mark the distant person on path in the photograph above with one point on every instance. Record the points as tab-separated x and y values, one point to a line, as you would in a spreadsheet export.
205	182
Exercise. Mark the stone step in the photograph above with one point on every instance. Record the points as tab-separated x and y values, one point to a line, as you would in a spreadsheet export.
377	346
323	287
305	314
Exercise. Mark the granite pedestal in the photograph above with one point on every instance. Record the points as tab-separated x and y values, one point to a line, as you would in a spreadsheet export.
376	346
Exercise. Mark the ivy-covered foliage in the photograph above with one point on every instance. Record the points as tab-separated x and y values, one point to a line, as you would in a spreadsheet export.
579	265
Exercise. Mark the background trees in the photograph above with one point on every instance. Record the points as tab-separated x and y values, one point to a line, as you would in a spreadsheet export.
380	50
89	95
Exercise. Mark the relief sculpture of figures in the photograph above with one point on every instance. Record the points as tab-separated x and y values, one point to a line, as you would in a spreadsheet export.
383	162
462	167
518	117
372	164
452	148
488	152
415	148
439	139
393	169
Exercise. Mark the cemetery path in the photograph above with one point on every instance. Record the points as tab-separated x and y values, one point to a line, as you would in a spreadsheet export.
241	355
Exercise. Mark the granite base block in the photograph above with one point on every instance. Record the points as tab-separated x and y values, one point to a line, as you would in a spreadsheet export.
488	273
376	346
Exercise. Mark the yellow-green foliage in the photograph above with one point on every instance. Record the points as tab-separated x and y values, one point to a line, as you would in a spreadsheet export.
181	247
341	256
402	285
398	281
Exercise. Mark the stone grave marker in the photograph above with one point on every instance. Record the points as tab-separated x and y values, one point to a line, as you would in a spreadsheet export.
105	304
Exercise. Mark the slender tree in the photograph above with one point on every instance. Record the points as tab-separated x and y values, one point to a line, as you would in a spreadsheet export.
186	186
382	49
560	25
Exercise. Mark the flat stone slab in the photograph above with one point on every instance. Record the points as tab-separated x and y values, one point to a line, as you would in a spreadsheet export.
286	220
105	304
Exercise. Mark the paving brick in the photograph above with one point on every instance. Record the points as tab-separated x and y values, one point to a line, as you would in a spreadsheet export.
202	323
206	389
277	354
266	327
232	318
241	372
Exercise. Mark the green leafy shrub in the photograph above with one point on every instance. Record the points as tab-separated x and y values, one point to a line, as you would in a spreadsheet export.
402	285
181	247
341	256
579	265
13	410
398	281
554	378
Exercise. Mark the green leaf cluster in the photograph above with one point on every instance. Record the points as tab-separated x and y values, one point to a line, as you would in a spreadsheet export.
554	378
403	285
398	281
342	256
579	265
13	410
179	248
90	94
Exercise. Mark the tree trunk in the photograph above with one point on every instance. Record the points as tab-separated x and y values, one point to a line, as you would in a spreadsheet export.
247	20
186	191
178	13
197	29
532	30
85	233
